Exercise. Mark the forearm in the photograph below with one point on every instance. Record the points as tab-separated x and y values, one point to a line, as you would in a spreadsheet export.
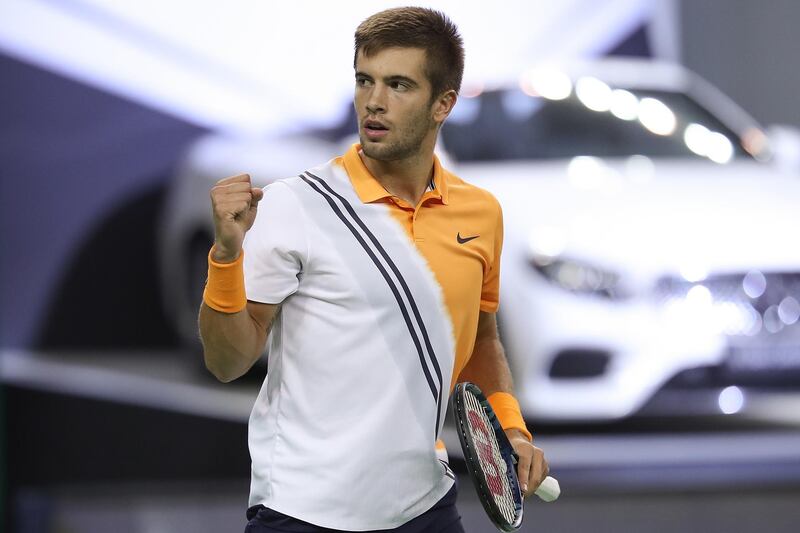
232	342
488	368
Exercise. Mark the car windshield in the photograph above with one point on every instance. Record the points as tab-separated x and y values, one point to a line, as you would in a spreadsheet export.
510	124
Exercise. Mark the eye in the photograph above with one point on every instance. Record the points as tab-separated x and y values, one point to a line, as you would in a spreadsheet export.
362	81
399	86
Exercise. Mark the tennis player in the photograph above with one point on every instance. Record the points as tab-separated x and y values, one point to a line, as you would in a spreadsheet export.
377	275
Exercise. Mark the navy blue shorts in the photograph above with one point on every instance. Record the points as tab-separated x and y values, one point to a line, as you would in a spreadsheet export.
441	518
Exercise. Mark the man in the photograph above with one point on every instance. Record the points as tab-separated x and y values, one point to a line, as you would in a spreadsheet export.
377	274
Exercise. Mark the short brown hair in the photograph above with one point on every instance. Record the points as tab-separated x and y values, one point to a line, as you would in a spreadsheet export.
417	27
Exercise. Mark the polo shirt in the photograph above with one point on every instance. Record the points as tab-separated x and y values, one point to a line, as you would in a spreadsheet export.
379	309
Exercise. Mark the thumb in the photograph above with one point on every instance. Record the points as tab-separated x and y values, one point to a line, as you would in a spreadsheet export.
258	194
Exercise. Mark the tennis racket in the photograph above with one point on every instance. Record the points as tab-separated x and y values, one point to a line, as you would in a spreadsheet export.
491	461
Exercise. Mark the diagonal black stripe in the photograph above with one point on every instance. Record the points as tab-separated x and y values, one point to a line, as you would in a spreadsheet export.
403	283
391	265
389	282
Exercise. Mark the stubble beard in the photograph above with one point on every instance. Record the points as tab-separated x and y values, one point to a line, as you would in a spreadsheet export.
406	145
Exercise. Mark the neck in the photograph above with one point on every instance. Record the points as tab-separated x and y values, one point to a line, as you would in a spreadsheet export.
406	178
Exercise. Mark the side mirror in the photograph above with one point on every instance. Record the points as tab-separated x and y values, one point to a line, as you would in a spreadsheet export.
784	143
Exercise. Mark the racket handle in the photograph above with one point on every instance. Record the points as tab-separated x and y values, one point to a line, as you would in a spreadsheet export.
549	490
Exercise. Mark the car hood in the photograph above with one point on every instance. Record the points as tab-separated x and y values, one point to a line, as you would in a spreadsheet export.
649	216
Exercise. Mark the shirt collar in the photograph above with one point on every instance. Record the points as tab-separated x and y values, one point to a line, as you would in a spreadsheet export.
370	190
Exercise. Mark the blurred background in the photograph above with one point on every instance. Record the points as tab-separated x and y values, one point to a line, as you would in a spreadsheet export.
647	157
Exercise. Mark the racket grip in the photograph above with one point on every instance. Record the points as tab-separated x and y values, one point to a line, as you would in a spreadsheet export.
549	490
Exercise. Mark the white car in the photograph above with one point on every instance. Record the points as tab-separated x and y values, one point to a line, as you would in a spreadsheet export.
648	239
647	249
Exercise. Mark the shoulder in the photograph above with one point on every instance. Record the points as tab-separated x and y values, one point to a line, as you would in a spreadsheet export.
281	190
463	191
282	199
281	219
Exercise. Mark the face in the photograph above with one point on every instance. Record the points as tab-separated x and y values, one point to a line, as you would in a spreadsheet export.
396	117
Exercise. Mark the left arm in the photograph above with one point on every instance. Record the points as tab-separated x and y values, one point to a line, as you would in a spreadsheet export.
488	369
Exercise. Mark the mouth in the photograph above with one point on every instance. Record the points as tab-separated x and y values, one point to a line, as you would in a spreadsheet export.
374	129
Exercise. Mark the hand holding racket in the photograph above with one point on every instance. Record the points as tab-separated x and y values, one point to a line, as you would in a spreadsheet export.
532	468
491	460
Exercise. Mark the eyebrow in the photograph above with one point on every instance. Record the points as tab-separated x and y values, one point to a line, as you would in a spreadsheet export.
389	79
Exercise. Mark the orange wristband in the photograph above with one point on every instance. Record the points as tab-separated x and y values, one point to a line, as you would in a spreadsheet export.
508	413
224	290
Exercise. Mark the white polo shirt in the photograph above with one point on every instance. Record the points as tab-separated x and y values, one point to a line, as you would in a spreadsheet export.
361	357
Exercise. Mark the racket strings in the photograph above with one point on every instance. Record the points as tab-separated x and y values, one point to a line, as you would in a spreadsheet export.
504	498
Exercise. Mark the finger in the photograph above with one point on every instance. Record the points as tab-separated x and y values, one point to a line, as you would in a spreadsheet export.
228	195
235	198
523	470
239	186
540	468
238	178
258	194
232	209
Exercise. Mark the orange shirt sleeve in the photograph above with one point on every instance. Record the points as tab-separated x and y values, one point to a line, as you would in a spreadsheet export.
490	292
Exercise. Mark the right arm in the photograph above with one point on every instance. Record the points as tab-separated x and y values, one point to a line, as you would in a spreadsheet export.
232	342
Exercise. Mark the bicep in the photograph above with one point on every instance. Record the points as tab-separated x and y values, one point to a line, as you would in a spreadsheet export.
487	327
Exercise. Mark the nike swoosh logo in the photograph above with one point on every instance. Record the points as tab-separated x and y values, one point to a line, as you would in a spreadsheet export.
462	240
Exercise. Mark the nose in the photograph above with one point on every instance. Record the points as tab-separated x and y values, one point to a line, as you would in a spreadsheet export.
375	109
376	103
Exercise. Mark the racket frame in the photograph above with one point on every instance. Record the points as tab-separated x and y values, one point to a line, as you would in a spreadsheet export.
473	462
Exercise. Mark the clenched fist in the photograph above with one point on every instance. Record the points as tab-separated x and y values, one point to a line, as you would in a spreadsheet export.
234	202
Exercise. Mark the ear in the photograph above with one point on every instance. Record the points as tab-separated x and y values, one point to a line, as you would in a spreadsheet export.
443	105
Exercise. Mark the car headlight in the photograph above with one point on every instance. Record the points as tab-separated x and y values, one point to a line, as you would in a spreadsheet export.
578	277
